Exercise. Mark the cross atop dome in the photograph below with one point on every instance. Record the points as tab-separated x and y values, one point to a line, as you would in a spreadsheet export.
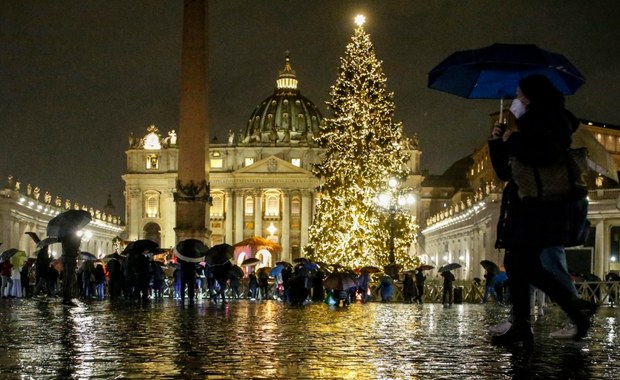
286	79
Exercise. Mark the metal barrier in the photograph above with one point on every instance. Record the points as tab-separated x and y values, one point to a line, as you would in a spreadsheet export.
599	292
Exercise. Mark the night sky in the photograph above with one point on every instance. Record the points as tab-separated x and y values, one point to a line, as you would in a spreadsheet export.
76	77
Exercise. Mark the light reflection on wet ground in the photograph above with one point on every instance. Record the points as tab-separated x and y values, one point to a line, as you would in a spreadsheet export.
243	340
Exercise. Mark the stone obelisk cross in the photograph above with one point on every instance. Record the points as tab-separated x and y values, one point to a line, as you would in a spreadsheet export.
192	188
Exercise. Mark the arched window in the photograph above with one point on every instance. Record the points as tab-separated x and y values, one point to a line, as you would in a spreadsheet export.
295	206
272	203
151	204
217	206
249	205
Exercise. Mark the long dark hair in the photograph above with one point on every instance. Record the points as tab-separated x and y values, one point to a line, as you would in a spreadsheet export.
541	92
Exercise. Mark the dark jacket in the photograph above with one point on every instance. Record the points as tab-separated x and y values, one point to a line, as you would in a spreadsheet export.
544	135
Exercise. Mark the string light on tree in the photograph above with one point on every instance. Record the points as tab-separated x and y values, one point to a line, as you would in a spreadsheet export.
363	147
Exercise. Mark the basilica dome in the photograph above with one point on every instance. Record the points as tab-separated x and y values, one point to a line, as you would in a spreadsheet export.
286	117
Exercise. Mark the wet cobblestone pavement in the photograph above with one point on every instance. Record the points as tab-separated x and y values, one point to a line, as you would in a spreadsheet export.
269	340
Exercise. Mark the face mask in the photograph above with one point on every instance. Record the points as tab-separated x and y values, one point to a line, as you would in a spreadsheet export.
517	108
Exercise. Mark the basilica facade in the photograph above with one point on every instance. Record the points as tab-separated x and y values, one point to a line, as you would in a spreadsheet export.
261	180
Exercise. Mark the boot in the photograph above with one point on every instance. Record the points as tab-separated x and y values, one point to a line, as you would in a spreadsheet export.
517	334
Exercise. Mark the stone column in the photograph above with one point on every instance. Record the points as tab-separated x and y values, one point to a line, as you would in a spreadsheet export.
306	216
286	227
601	243
192	190
258	213
239	215
229	213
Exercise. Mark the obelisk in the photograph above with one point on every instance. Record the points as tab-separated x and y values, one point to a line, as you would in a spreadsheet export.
192	187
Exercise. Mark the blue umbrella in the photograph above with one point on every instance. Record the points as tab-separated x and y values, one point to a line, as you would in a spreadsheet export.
494	72
276	270
311	266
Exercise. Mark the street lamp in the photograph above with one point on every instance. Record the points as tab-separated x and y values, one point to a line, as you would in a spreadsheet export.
394	200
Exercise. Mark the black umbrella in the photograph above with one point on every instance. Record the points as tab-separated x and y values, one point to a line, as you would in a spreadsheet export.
34	236
250	261
6	255
219	254
67	223
449	267
87	256
424	267
340	281
112	256
140	246
191	250
237	272
490	266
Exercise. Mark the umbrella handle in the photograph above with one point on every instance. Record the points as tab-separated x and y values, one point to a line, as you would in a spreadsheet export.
501	109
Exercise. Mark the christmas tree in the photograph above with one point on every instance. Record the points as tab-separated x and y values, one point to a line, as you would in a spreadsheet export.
364	148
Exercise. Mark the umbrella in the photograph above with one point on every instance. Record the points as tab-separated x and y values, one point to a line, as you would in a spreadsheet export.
449	267
87	256
34	236
276	270
300	260
140	246
494	72
490	266
259	242
263	272
424	267
284	263
191	250
311	266
219	254
113	256
370	269
18	259
340	281
47	241
599	159
251	261
68	222
6	255
237	272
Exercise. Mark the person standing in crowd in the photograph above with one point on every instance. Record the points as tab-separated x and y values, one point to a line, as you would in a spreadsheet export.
253	286
42	267
363	282
188	279
613	282
534	233
448	290
157	273
419	283
263	285
409	288
318	291
5	273
489	287
115	278
99	274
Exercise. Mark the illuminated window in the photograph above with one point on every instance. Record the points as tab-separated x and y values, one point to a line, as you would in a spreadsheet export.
248	161
295	206
151	204
217	206
152	161
272	203
296	162
217	163
249	206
